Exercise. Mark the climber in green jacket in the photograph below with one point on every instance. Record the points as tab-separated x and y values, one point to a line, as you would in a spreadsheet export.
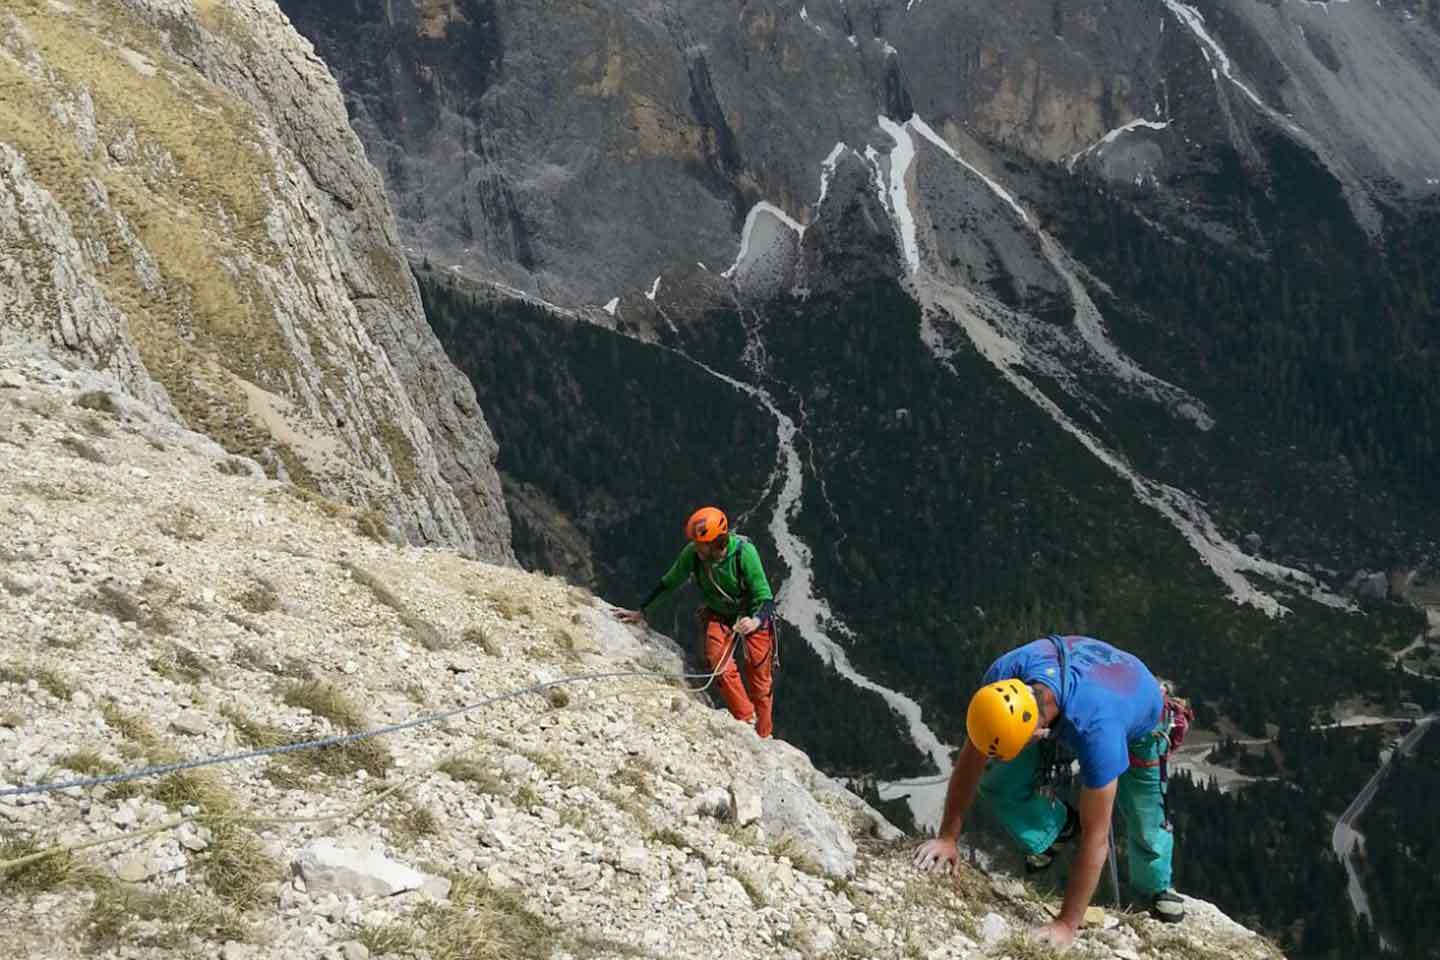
738	606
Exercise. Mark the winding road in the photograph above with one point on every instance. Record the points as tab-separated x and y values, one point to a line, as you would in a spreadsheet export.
1345	837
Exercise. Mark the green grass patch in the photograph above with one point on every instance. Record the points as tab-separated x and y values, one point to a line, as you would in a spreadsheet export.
324	699
38	876
82	449
476	636
260	597
475	773
88	763
392	939
180	664
426	633
120	911
49	681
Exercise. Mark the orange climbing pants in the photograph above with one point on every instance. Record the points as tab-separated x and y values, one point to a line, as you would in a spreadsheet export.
757	650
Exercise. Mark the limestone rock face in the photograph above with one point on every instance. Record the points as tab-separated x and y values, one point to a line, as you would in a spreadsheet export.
575	150
183	205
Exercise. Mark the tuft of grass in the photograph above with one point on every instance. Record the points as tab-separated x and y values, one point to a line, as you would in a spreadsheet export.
752	890
97	400
194	788
674	838
553	766
11	719
113	602
416	692
528	799
633	777
371	524
252	732
253	658
1019	946
124	791
324	699
39	876
391	938
133	728
586	947
476	636
233	467
235	867
121	911
116	603
482	922
325	505
788	847
286	776
183	524
577	818
260	597
82	449
511	604
412	823
96	427
49	681
565	642
429	636
468	770
558	698
88	762
177	663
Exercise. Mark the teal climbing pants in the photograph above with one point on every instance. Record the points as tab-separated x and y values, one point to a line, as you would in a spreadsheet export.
1035	819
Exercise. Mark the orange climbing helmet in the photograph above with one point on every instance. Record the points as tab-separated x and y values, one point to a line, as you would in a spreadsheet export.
1001	717
706	524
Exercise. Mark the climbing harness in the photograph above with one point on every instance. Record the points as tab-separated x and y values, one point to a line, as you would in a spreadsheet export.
742	601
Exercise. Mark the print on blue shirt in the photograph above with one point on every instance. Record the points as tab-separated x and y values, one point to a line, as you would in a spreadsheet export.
1108	699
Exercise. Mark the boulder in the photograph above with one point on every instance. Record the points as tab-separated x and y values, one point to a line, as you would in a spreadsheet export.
788	810
328	867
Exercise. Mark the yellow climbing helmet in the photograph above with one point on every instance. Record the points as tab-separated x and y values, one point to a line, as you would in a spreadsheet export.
1001	717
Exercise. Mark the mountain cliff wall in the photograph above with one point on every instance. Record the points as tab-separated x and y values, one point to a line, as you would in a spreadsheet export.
183	204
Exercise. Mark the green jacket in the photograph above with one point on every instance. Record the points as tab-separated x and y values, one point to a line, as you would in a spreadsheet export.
738	575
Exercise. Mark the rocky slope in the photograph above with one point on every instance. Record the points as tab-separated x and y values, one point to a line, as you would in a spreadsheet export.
183	204
160	601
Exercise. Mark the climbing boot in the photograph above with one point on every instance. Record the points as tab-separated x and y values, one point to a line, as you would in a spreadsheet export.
1036	862
1168	907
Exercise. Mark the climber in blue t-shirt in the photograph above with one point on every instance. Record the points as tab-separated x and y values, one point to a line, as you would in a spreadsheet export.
1107	707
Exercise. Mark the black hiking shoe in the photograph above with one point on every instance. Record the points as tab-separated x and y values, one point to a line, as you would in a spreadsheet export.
1036	862
1167	907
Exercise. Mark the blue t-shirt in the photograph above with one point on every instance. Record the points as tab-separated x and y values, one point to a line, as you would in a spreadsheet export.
1109	699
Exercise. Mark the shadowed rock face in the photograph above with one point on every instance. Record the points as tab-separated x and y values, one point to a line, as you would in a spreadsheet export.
574	149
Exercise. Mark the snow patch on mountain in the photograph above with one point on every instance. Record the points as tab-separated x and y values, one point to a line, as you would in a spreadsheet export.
1195	21
827	171
761	225
1099	145
896	198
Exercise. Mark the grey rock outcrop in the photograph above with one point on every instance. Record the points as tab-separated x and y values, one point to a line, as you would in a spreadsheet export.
575	150
789	810
186	208
330	867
